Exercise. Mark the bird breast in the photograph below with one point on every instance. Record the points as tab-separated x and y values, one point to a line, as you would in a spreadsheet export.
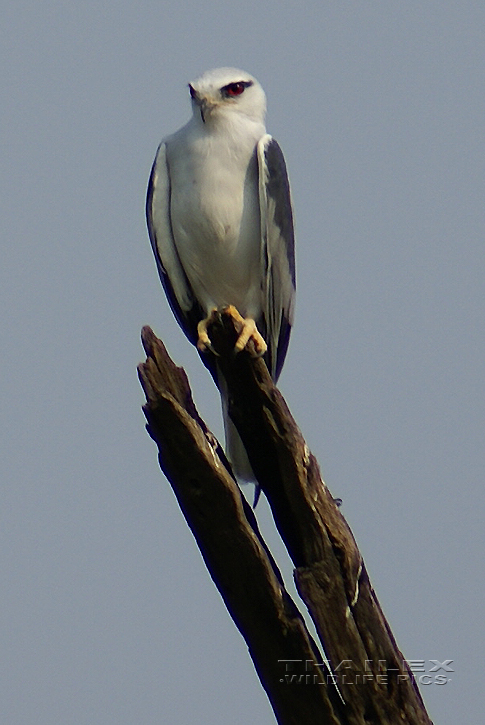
216	223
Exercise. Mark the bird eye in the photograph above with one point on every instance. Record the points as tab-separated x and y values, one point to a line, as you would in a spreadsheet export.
235	89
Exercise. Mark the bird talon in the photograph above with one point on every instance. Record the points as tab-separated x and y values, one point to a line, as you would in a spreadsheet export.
248	331
205	346
204	343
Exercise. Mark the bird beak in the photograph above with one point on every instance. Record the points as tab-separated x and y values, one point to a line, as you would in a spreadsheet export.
205	104
206	108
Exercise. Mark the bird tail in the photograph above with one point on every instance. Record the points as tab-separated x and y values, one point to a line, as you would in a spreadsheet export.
235	450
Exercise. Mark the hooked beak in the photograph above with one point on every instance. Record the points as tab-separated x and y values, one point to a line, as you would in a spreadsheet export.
205	108
204	104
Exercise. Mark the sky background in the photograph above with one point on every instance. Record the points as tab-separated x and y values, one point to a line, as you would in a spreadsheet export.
108	614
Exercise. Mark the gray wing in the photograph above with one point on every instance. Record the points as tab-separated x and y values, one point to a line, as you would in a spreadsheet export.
278	252
179	293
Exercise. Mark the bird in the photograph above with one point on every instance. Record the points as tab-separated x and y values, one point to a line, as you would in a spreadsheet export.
220	222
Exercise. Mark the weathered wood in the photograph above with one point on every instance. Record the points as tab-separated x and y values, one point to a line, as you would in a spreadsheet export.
331	578
234	552
372	676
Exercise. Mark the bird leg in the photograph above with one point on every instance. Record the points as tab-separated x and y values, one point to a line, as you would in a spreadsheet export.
246	327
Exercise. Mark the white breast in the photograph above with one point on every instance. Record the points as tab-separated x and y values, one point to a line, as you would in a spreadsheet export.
214	208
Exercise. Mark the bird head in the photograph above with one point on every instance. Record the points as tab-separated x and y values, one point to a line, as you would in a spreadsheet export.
226	91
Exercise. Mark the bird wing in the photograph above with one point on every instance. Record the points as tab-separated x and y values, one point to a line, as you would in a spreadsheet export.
278	252
179	293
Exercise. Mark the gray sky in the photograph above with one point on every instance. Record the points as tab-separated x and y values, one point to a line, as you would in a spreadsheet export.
108	613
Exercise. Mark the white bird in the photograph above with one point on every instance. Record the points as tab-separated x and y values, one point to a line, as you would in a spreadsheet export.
221	226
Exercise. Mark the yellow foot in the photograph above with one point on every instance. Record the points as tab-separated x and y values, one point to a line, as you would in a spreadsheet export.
203	340
247	331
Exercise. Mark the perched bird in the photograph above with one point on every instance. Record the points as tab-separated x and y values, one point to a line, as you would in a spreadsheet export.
221	226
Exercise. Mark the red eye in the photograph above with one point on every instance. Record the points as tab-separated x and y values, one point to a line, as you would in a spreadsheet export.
235	89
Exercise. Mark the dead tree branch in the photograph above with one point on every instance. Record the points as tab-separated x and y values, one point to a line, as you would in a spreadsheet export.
372	675
226	532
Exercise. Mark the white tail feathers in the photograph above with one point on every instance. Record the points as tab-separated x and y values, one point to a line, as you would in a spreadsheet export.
235	450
